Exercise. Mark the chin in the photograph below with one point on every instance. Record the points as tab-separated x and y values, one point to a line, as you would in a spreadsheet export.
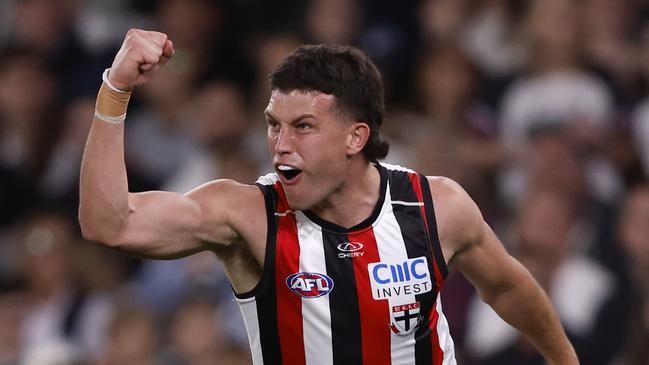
307	195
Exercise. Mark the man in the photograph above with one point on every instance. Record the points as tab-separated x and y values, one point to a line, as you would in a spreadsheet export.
334	258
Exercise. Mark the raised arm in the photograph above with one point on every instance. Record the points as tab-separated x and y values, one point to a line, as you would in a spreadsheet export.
151	224
502	282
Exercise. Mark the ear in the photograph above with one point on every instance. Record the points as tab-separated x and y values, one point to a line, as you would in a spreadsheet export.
359	134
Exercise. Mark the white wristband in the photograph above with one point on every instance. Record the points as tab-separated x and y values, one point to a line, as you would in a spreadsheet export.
104	78
111	120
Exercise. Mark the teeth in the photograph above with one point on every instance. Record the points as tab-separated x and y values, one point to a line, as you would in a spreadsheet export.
285	168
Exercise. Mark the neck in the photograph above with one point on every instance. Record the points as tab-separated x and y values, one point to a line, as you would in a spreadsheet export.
355	199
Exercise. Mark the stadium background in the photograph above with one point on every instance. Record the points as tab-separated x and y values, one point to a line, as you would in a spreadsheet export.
538	108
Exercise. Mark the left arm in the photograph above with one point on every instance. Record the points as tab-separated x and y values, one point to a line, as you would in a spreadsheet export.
500	279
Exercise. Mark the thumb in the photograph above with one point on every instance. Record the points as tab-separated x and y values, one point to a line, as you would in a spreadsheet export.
167	52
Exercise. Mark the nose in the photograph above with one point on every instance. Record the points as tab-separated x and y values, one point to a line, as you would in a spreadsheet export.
283	141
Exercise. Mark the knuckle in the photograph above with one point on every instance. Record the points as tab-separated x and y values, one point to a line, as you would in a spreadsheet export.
159	39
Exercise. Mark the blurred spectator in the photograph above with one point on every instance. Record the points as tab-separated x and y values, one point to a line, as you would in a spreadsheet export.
157	145
197	335
216	119
12	312
48	29
59	184
268	51
554	162
633	235
206	44
53	301
101	275
640	135
201	52
54	353
443	21
558	92
609	47
132	338
28	128
42	25
333	21
381	28
640	122
453	134
236	355
494	38
583	292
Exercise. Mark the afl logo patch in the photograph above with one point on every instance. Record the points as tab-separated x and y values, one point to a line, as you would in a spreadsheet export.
310	284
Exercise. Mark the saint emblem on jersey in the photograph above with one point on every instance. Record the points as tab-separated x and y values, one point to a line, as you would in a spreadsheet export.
309	284
405	318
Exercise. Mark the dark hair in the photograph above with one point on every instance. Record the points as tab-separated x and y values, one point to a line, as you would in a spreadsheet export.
344	72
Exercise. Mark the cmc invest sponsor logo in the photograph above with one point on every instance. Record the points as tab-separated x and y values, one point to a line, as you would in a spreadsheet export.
394	279
310	284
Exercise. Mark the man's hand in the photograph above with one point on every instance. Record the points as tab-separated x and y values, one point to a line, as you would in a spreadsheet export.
140	57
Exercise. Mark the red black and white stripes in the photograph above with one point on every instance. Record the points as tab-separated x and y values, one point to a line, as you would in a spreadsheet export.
315	302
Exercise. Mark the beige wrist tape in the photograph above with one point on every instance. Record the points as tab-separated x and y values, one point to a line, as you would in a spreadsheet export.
111	102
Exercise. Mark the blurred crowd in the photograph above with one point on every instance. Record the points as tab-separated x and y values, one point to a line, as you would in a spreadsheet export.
538	108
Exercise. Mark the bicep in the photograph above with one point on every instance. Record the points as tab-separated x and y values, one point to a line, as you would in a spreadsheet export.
169	225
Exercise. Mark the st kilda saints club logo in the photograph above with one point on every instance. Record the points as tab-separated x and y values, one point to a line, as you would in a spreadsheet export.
310	284
399	283
405	318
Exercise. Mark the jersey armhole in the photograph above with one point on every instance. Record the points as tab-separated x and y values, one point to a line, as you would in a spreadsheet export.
270	199
432	226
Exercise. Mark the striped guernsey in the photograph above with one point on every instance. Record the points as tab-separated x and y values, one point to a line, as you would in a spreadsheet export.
364	295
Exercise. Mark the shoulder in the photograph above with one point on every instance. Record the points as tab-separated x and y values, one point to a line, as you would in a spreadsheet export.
459	221
227	192
228	201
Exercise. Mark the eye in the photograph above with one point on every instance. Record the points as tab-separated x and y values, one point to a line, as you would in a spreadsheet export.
303	125
272	125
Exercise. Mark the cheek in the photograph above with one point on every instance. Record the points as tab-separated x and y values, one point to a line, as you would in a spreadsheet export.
270	141
325	155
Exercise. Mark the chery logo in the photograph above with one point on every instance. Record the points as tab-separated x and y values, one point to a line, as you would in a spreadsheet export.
350	246
350	249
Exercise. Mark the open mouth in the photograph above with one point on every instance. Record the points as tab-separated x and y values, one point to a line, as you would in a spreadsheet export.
289	172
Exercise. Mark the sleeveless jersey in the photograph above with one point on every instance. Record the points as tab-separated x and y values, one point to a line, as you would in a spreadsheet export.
365	295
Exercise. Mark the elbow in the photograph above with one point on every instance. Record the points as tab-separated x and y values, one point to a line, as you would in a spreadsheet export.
98	230
89	233
85	223
489	297
493	293
512	285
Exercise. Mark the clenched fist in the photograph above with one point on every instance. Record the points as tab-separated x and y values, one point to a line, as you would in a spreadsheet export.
140	57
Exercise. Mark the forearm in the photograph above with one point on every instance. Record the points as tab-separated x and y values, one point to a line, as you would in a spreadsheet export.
525	306
103	195
103	183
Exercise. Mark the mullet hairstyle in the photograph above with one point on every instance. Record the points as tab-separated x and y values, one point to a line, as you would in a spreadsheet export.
344	72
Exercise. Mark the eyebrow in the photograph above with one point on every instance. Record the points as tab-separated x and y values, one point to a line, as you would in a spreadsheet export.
306	115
